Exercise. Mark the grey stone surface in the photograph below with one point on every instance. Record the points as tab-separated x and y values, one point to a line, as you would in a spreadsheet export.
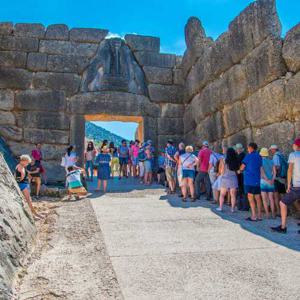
29	30
41	100
37	61
165	93
57	32
13	59
16	227
146	58
114	69
292	94
244	137
142	43
267	105
6	100
32	135
158	75
44	120
264	64
9	132
67	63
188	119
290	50
169	110
57	81
11	78
178	76
67	48
55	172
194	32
18	43
7	118
89	35
170	126
6	28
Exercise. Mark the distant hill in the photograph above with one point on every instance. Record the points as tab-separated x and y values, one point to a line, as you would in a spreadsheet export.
98	134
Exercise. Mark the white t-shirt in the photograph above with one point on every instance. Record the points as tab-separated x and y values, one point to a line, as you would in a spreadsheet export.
187	159
294	158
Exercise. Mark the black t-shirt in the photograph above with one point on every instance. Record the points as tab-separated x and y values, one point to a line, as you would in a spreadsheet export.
33	168
241	157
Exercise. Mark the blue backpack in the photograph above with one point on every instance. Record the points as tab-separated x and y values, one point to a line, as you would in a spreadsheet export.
283	166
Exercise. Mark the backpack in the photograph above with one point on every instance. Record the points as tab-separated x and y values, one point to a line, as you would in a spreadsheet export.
142	155
282	173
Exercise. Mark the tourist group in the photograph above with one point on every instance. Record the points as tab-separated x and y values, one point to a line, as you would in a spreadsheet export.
259	180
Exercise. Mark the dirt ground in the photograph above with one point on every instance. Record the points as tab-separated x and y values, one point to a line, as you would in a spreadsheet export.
69	260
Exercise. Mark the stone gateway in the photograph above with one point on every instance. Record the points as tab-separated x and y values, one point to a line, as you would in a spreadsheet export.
243	86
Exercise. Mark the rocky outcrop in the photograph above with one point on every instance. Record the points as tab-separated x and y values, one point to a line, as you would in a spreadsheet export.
17	230
240	88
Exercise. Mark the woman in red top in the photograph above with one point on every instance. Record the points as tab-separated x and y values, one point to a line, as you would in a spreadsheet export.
38	156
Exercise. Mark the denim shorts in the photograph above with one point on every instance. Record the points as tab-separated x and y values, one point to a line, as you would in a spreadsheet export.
23	186
252	189
123	160
188	174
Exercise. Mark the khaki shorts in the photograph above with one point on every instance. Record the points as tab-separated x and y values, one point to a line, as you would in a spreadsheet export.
170	173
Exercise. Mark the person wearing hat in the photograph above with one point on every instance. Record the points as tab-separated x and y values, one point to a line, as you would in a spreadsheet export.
202	176
293	186
281	166
268	174
103	160
170	163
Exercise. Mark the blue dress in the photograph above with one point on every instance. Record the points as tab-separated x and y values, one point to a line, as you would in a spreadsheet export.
103	160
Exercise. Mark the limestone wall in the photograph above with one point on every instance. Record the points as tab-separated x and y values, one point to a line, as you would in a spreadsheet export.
245	85
51	77
17	230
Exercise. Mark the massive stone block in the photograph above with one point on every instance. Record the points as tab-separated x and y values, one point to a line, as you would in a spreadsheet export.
194	32
55	172
170	110
13	59
264	64
165	93
37	61
19	43
57	32
44	120
267	105
158	75
142	43
258	21
29	30
6	28
34	136
57	81
9	132
67	63
283	133
170	126
11	78
89	35
178	76
188	119
7	118
41	100
146	58
68	48
291	49
292	94
6	100
234	118
243	137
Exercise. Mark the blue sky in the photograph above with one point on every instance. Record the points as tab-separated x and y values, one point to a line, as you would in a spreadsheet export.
162	18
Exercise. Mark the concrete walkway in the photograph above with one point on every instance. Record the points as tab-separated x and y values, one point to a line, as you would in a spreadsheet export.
161	248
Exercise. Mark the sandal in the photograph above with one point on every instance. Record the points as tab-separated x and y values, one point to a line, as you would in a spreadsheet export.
184	200
250	219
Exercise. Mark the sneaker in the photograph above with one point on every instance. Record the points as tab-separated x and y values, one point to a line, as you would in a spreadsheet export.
219	209
279	229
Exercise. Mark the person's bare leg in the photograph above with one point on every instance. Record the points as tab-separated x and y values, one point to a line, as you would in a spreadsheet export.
191	187
272	204
252	206
104	185
233	198
223	193
99	185
183	189
283	211
259	206
150	177
38	186
277	200
28	200
265	203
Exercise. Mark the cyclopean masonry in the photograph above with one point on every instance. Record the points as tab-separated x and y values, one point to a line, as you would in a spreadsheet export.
243	86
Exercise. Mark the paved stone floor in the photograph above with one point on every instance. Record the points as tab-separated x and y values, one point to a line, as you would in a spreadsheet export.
161	248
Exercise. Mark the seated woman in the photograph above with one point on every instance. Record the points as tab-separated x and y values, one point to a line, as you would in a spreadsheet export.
21	176
74	184
187	162
103	160
34	170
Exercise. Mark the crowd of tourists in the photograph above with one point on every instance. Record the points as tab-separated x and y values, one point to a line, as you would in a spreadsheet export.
259	180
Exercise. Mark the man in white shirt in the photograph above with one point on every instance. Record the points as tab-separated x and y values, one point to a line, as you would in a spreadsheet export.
293	186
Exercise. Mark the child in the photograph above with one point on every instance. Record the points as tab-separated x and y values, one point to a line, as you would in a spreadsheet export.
103	160
74	183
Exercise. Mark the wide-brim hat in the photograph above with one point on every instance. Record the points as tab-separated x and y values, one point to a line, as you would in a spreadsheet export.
264	152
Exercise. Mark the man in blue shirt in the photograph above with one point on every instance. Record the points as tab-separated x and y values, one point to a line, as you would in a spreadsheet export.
251	165
170	164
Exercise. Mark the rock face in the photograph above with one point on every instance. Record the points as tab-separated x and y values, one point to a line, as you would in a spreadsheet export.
17	230
239	88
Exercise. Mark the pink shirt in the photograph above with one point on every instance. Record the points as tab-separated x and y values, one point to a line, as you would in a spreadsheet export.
36	154
135	150
204	155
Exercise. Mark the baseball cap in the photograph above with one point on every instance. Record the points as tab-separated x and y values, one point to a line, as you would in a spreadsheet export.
273	147
239	146
297	142
205	143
